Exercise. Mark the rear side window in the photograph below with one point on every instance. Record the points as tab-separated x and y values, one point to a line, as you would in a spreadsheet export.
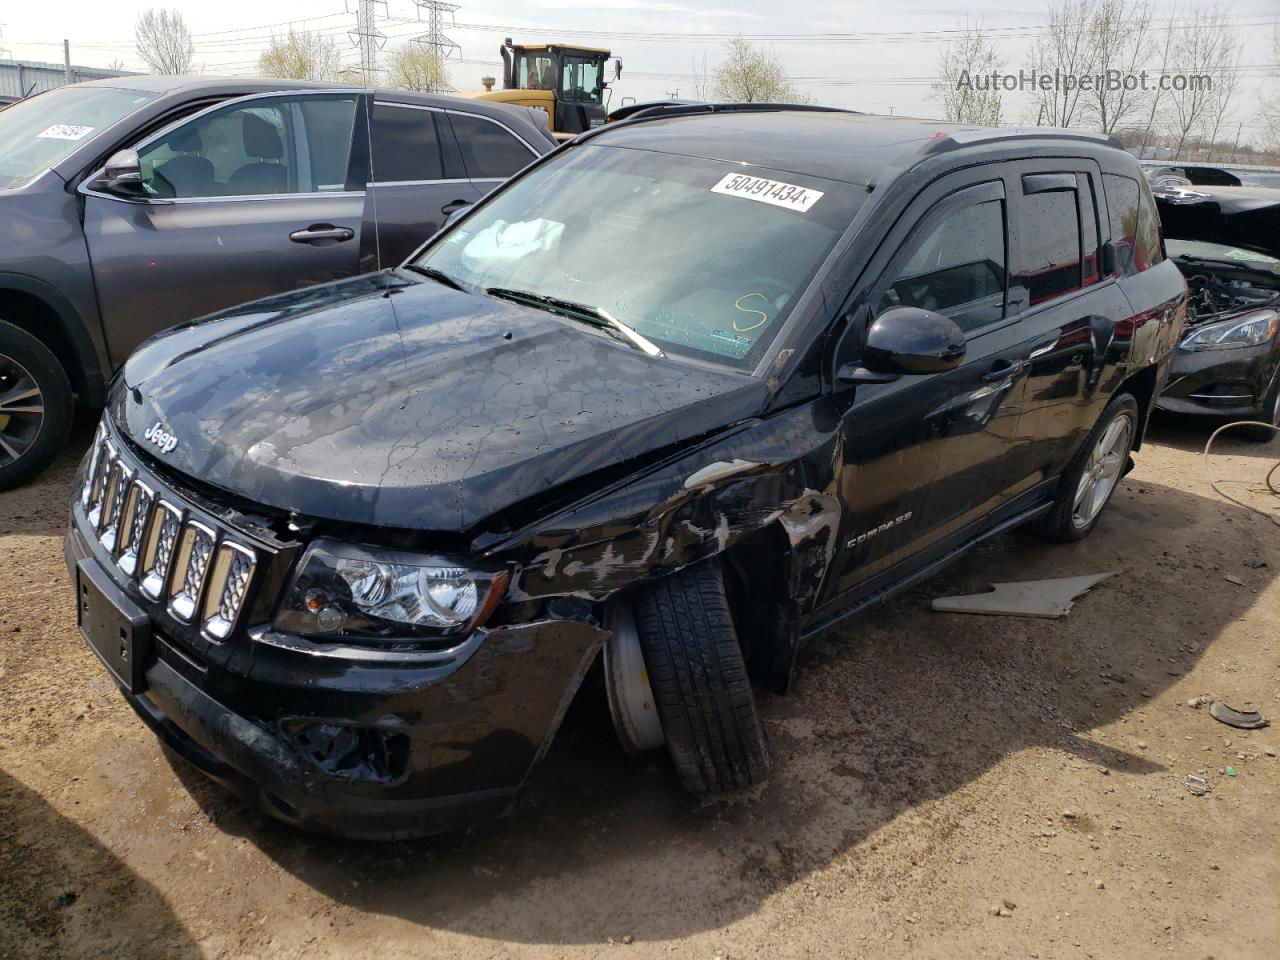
1122	211
1149	252
956	269
405	145
1048	245
488	150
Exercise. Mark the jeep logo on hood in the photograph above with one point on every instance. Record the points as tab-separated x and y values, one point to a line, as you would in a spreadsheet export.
160	437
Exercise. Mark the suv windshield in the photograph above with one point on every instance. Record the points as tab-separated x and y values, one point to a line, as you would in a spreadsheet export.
38	132
704	257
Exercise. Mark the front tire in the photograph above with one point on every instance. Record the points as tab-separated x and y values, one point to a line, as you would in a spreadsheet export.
699	681
1093	473
35	406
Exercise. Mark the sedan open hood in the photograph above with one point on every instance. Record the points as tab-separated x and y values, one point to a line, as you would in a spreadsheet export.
394	401
1247	217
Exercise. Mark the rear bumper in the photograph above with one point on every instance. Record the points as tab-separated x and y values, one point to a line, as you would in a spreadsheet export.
1227	384
368	752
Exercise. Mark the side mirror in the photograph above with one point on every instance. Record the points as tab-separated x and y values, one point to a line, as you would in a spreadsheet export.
616	65
456	213
123	174
908	340
1107	259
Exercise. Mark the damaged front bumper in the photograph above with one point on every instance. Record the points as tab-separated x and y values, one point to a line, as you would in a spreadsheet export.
366	749
1230	384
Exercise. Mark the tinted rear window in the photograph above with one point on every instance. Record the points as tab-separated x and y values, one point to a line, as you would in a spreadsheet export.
1049	245
405	146
488	150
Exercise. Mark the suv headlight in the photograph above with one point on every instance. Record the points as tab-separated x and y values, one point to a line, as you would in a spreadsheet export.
344	591
1247	331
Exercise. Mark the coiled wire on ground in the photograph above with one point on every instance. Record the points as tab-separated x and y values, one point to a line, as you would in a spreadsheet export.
1271	480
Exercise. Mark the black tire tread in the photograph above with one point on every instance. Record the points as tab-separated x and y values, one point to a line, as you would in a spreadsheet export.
700	682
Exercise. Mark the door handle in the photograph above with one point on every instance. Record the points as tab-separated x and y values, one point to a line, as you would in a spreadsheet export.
454	207
1003	370
318	232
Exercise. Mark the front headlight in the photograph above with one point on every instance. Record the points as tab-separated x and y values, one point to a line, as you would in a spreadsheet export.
1247	331
344	591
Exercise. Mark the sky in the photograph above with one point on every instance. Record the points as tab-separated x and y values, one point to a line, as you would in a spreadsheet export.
883	61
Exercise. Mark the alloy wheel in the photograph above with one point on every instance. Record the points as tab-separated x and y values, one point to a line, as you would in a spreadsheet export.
1102	472
21	410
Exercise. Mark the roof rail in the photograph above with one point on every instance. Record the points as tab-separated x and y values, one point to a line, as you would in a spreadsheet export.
670	109
943	141
688	108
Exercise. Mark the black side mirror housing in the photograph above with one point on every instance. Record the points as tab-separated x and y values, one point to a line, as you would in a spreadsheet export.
1107	259
909	340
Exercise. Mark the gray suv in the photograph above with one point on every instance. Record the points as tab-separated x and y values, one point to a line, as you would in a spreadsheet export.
131	204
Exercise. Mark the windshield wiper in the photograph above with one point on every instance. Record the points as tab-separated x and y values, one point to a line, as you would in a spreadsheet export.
439	276
596	316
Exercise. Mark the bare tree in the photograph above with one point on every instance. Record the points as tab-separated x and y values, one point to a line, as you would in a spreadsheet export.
701	79
1121	42
301	55
1205	50
1269	106
967	90
163	41
416	67
1064	52
1156	100
751	74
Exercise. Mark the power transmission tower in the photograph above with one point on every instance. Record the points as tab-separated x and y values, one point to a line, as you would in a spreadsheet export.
368	37
435	41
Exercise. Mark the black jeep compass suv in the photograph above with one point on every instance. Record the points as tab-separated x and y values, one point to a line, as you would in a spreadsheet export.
351	550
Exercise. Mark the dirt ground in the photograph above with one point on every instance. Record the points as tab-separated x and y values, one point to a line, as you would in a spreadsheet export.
931	770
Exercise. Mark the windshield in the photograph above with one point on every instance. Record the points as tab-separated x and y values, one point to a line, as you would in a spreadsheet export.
700	256
1215	251
38	132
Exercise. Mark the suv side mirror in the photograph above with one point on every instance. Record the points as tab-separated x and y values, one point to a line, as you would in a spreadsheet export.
908	340
1107	258
123	174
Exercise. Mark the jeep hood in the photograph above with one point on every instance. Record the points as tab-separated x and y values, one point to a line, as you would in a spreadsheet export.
1247	217
392	400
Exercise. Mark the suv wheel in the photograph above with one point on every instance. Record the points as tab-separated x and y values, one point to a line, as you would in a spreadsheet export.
699	681
1093	474
35	406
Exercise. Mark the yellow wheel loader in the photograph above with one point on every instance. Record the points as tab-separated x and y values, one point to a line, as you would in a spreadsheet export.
567	83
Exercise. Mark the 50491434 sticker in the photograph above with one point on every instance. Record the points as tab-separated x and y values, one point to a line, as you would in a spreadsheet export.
789	195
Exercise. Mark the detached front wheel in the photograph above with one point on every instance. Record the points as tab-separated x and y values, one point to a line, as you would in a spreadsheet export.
699	682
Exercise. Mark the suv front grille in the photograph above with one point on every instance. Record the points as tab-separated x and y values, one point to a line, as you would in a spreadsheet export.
156	543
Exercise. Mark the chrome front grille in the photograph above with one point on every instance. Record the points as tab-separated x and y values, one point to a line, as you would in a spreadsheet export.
194	551
156	542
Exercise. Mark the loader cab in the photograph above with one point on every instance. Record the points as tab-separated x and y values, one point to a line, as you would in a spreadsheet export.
569	83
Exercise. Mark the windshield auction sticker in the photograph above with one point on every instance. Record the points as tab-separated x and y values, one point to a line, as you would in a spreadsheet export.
65	131
780	194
